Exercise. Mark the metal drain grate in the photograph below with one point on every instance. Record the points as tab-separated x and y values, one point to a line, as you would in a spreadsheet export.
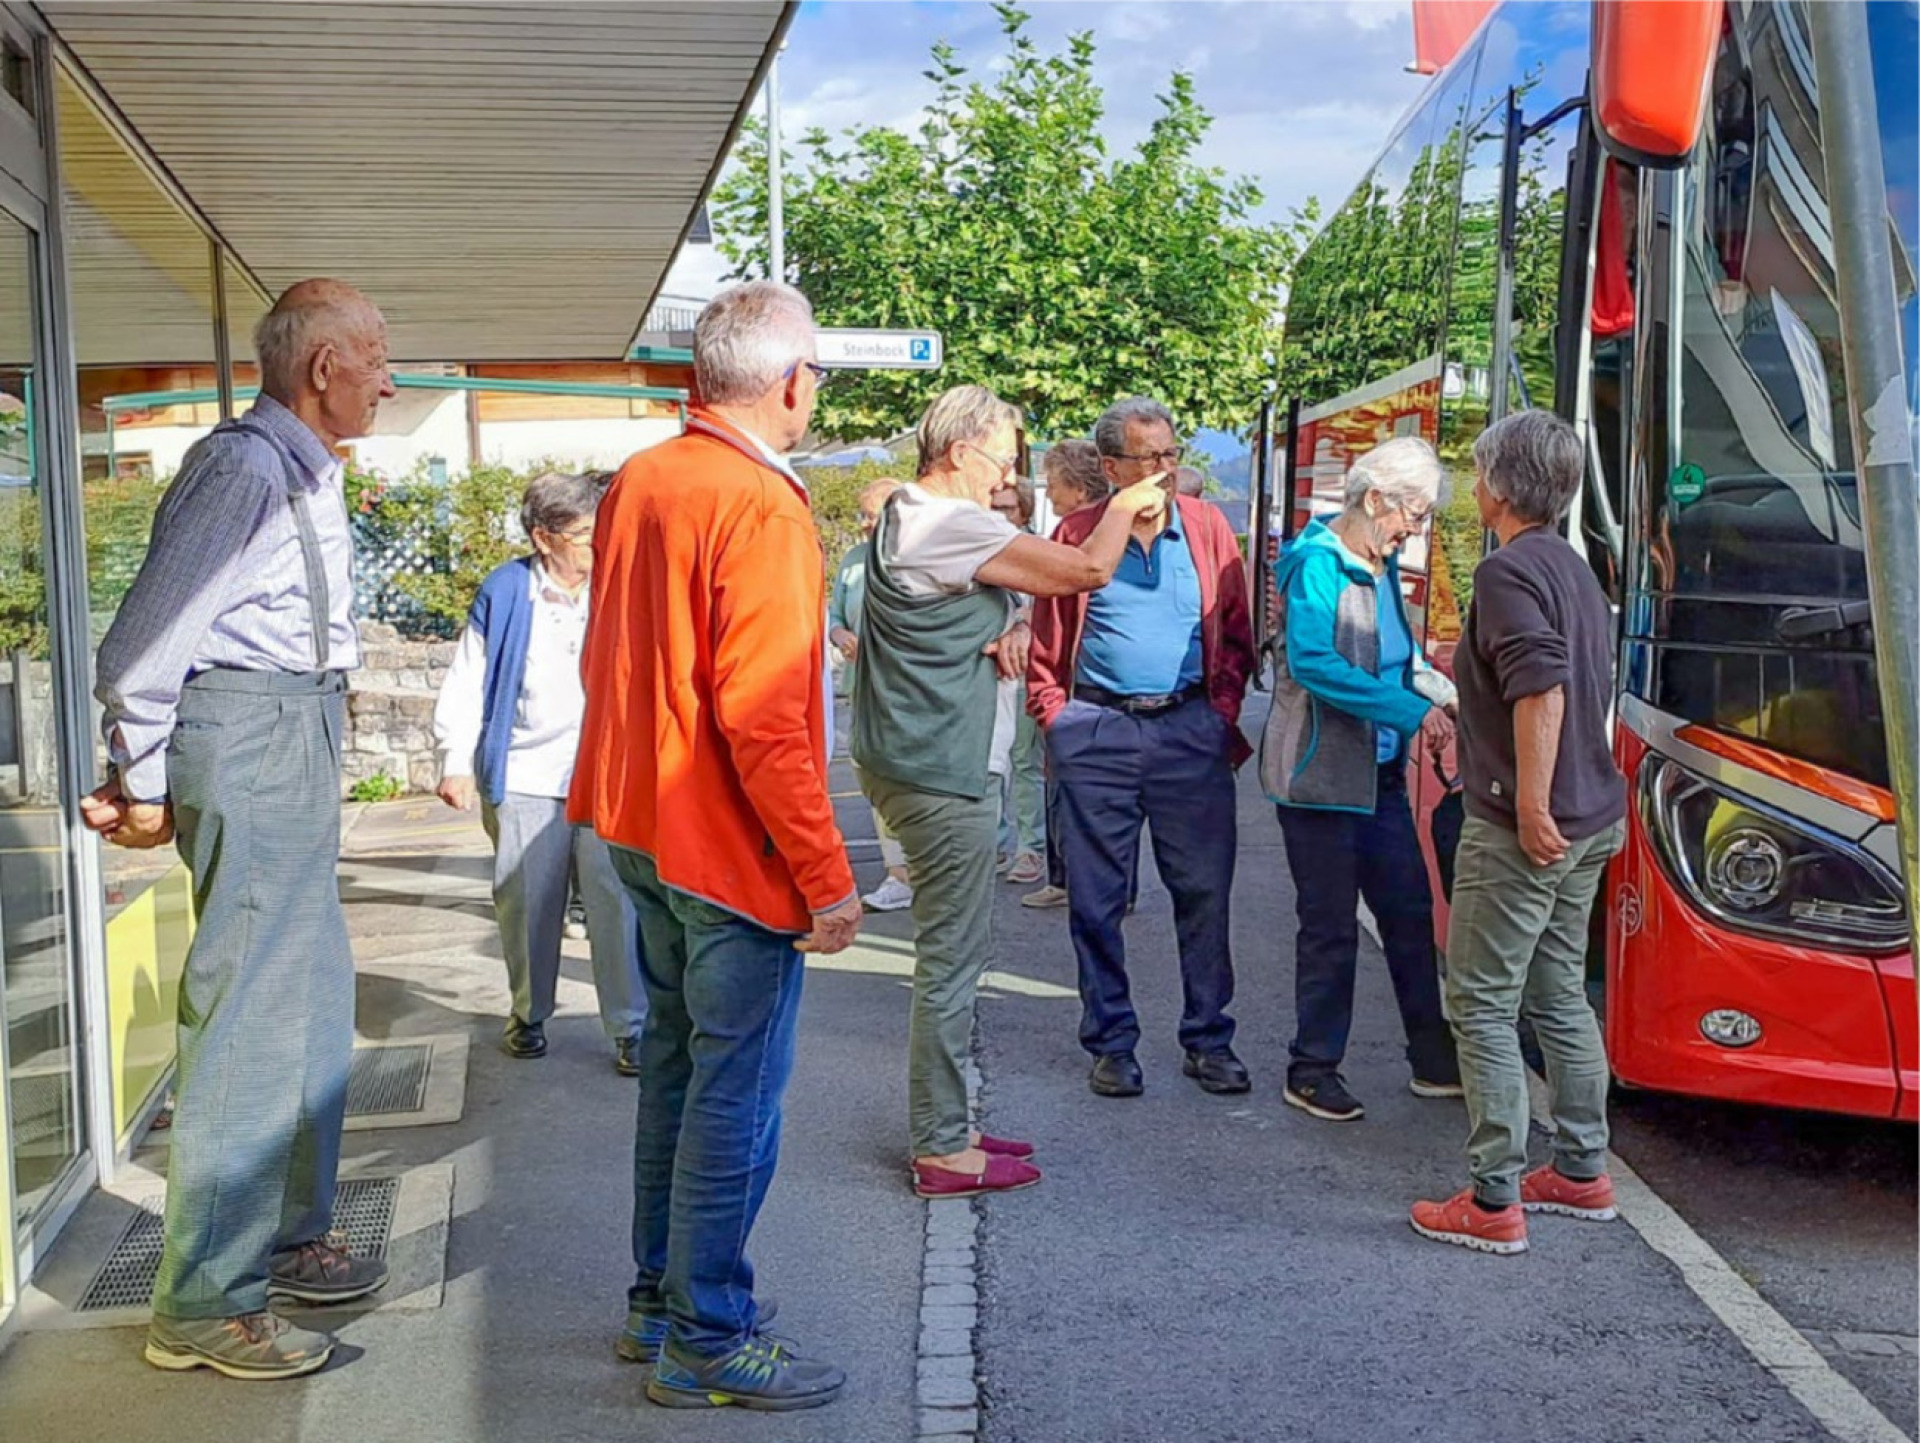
363	1209
388	1079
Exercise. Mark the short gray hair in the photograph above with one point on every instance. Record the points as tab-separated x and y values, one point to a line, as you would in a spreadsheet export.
1406	471
1110	431
1077	462
1533	461
1189	481
964	413
556	500
308	315
748	339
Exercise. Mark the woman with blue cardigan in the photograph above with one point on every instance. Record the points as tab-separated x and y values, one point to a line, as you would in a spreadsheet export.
1353	698
508	726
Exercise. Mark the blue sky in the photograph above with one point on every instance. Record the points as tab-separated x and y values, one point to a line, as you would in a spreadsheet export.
1303	93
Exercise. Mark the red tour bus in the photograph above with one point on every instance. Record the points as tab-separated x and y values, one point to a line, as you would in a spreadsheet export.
1519	243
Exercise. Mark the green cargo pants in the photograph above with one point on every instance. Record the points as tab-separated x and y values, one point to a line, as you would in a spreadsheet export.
949	842
1517	945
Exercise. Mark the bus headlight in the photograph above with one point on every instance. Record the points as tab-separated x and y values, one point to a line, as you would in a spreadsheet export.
1758	870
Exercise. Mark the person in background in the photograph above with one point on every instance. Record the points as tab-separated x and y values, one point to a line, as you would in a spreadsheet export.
1075	480
1188	481
845	608
932	731
1353	698
703	763
1023	820
1546	810
223	684
508	726
1139	688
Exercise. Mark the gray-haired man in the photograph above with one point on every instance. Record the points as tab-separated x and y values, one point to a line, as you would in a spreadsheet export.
223	680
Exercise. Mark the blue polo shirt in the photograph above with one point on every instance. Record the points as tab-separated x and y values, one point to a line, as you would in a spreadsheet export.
1142	636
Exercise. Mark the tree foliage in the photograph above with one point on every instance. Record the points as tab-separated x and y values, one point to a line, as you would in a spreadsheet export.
1059	276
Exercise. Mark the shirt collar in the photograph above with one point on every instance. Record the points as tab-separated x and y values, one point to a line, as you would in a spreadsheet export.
542	584
313	454
774	458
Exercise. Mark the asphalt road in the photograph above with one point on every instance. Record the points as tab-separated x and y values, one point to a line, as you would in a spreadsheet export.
1229	1269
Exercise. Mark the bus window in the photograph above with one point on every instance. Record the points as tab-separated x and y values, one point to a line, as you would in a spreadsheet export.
1754	575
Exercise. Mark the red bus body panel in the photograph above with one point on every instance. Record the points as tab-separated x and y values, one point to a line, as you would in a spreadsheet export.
1827	1042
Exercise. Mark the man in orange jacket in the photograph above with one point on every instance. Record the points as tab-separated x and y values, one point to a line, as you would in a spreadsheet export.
703	762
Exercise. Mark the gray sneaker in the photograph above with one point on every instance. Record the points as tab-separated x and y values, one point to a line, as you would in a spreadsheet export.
762	1374
321	1272
255	1347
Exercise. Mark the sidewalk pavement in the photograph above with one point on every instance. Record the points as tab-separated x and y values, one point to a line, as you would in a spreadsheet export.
1195	1267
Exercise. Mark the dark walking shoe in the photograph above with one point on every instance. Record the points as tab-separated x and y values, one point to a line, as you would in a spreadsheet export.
762	1374
645	1334
321	1272
525	1039
255	1347
1117	1074
626	1057
1324	1096
1217	1071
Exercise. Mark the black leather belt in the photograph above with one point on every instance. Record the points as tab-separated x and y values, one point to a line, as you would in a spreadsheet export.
1139	705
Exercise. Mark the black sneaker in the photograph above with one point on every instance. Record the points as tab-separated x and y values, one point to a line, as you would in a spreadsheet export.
1324	1096
1217	1071
626	1057
762	1374
525	1039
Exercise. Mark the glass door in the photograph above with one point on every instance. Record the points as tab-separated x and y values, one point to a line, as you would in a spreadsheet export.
45	1119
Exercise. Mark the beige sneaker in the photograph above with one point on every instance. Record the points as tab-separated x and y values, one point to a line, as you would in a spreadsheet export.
321	1272
255	1347
1045	897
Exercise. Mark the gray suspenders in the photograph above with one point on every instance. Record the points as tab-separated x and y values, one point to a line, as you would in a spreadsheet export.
321	604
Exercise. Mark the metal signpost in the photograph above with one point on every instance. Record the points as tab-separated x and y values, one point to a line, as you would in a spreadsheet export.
862	350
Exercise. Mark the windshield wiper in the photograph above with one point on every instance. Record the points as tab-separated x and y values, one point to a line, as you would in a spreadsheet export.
1805	623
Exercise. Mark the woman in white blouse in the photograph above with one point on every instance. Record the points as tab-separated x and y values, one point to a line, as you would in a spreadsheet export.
508	726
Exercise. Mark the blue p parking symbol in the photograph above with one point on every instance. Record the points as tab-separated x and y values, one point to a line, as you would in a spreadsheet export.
920	349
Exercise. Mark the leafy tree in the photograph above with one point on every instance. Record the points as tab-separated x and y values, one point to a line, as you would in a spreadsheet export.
1059	277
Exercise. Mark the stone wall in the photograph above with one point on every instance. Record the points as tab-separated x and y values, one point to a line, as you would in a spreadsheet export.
390	710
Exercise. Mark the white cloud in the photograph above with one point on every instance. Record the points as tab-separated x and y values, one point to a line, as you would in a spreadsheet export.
1138	21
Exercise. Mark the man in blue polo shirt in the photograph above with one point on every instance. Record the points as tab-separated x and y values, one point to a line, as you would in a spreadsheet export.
1138	686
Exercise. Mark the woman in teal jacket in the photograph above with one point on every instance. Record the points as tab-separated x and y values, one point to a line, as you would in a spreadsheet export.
1352	698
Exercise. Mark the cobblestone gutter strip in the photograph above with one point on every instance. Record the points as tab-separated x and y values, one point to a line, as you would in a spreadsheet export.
947	1390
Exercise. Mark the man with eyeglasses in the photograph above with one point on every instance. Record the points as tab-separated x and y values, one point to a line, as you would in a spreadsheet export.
1139	686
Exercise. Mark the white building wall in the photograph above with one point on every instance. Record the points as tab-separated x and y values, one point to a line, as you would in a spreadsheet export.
441	432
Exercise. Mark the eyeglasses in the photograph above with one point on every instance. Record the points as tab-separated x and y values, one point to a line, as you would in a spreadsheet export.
574	535
1002	464
1165	460
820	372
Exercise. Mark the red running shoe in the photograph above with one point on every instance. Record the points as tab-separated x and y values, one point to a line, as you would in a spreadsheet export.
1004	1147
1460	1220
1546	1191
1001	1174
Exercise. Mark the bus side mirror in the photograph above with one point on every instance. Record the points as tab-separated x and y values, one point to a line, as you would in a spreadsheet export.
1652	63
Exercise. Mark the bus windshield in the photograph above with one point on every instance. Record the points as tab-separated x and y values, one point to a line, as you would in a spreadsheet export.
1753	581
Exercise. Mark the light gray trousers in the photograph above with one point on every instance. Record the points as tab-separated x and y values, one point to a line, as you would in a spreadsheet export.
534	852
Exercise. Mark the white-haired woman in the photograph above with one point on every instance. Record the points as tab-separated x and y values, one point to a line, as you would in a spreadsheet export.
1352	697
933	729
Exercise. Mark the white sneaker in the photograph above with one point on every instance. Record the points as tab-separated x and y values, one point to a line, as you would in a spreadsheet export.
1045	897
892	895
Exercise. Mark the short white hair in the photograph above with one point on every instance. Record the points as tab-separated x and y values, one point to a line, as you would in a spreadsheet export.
308	315
748	339
1406	472
964	413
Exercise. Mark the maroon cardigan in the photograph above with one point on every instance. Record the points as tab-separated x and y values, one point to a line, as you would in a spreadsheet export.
1226	622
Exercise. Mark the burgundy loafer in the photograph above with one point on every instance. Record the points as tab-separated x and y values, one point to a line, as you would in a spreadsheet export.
1001	1174
1004	1147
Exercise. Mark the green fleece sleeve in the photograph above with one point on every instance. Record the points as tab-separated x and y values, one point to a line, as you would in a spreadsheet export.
1313	599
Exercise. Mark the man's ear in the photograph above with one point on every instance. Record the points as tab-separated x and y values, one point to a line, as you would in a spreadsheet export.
320	367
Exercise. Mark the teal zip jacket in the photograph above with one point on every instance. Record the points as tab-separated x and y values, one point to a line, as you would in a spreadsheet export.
1320	748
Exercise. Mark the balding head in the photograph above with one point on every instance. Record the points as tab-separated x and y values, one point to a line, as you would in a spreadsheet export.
1187	481
323	355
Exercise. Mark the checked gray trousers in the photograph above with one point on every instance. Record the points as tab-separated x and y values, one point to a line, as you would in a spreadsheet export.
266	1002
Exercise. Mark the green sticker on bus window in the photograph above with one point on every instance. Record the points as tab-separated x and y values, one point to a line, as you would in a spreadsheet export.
1685	485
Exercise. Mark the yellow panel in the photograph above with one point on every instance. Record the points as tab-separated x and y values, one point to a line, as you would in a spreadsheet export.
146	952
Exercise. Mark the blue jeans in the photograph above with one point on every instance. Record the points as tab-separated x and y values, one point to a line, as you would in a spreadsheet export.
1117	772
1337	858
723	998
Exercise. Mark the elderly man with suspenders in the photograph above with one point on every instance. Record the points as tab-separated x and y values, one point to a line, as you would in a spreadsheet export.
224	681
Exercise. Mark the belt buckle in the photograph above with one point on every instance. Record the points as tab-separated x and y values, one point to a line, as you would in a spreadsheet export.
1151	705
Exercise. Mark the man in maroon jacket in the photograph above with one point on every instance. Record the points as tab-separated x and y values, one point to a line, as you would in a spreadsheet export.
1138	687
